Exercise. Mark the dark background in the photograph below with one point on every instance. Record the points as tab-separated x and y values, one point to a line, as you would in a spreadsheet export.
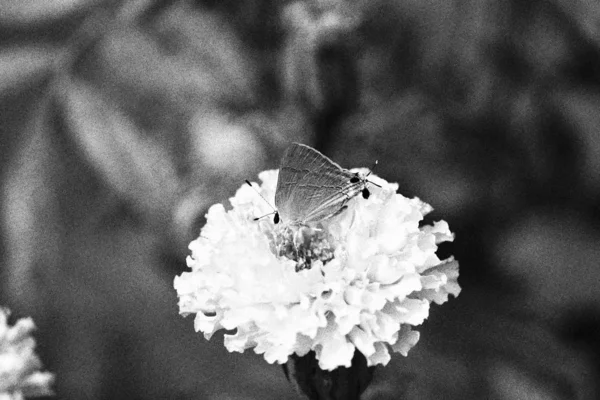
121	122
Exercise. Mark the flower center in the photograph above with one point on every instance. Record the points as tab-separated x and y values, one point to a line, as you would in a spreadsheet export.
304	245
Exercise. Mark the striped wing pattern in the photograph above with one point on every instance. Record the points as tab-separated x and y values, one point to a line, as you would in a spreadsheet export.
311	187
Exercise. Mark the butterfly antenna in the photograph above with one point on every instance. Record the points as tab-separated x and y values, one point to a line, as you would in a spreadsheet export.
370	171
266	201
266	215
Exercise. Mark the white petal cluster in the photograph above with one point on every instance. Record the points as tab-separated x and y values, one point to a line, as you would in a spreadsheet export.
382	278
19	365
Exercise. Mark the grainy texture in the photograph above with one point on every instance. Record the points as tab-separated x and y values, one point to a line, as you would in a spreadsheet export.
122	121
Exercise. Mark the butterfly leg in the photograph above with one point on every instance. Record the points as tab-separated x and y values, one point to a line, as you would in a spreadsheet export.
342	209
302	248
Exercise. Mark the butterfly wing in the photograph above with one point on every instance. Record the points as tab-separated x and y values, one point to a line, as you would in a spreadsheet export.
311	187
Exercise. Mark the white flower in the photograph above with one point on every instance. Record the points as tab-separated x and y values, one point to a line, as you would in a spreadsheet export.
19	365
360	280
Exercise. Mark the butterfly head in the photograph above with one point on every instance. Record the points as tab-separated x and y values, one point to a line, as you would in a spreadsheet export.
362	179
365	193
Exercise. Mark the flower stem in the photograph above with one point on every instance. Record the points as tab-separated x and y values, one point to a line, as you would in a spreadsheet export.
339	384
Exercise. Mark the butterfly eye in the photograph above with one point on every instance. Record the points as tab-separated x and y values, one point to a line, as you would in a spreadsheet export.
355	179
365	193
276	218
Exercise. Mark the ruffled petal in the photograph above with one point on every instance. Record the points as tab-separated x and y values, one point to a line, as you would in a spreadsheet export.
19	365
359	280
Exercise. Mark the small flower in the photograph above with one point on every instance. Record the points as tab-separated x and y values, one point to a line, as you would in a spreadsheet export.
19	365
359	280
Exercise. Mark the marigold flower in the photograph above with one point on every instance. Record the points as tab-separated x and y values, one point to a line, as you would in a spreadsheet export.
359	280
19	365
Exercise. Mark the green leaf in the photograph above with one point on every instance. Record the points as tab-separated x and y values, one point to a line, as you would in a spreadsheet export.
133	164
21	65
17	13
31	209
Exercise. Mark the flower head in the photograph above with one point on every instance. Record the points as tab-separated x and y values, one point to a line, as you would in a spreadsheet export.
359	280
19	365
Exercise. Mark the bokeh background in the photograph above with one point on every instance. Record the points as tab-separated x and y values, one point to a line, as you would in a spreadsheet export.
121	122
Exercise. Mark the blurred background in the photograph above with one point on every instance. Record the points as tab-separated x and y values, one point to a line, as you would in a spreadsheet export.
122	121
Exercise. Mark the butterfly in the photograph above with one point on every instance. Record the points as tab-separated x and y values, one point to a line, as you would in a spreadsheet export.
312	188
